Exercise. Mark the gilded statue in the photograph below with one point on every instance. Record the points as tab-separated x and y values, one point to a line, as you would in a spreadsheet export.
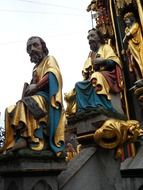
134	39
102	75
37	120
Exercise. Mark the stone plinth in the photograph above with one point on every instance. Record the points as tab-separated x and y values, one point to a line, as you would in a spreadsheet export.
85	123
92	169
28	170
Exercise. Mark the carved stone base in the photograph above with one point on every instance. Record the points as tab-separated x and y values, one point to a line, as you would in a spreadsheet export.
109	130
92	169
27	171
87	121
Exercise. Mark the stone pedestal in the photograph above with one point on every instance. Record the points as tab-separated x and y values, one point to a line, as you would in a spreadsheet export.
84	124
94	168
26	171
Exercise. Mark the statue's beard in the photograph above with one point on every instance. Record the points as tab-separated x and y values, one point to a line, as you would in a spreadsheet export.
36	58
93	46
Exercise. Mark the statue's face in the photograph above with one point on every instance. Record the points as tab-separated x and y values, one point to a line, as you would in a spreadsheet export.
35	50
129	21
93	40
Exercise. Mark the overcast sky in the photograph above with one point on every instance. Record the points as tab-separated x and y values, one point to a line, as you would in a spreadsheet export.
63	24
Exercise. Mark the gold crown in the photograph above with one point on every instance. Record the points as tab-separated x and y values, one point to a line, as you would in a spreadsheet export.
128	15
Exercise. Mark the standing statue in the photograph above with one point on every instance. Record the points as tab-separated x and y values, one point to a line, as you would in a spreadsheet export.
37	120
134	39
102	76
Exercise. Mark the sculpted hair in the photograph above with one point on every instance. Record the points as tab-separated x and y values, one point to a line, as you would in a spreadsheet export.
129	15
101	36
44	47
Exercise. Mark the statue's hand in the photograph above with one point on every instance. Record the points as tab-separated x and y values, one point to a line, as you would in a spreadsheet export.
99	62
32	88
127	37
124	40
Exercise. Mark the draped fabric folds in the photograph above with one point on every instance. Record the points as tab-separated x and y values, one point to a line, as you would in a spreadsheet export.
86	97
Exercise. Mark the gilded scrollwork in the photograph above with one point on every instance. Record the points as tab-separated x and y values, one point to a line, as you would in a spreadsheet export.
71	102
113	133
102	17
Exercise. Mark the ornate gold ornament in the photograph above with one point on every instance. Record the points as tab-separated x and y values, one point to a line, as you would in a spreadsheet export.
71	102
114	133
